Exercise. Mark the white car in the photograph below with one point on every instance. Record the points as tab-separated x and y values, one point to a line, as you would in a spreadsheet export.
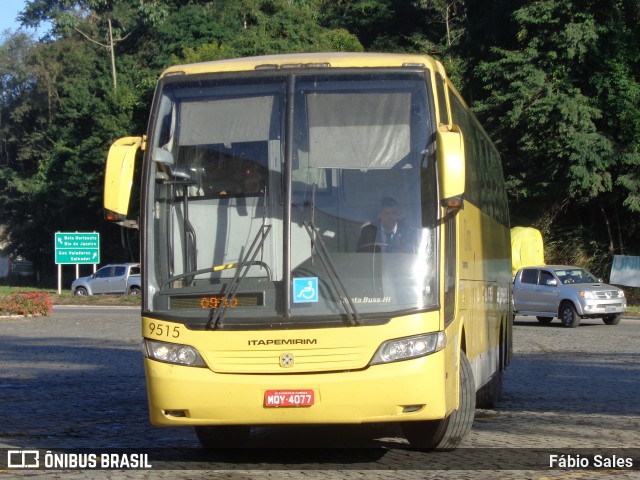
567	292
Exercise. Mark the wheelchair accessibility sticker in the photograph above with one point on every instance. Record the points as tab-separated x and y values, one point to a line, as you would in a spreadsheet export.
305	290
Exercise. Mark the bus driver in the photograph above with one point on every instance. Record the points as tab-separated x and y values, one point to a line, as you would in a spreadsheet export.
388	233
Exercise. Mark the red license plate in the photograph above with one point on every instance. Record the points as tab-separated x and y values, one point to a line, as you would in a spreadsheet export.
288	398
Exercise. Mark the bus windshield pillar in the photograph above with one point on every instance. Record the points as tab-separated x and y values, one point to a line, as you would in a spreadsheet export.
288	165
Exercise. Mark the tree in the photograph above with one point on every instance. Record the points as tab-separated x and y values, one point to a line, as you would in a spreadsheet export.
58	126
538	109
104	23
269	27
561	98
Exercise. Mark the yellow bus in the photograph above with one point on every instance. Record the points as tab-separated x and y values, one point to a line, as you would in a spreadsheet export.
325	240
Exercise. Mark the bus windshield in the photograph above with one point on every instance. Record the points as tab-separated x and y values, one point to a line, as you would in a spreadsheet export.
292	199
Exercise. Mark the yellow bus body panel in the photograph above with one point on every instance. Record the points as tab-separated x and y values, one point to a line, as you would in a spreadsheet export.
119	174
483	306
333	60
346	390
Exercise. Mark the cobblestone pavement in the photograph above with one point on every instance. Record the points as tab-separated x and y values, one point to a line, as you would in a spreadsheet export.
74	381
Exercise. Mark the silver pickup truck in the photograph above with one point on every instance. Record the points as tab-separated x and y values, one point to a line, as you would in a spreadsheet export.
113	279
567	292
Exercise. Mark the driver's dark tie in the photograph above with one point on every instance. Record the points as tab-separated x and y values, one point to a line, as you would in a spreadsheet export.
388	236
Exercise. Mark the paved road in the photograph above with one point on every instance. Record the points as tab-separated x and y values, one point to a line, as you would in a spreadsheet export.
75	381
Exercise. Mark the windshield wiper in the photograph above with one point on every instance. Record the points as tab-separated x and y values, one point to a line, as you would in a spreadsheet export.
217	314
332	273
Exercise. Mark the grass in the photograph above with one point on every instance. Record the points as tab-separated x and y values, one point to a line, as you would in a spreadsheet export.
633	309
67	298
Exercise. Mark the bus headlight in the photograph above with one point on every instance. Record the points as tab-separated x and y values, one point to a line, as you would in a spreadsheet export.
409	347
172	353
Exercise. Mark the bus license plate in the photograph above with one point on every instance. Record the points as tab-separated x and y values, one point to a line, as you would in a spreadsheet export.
288	398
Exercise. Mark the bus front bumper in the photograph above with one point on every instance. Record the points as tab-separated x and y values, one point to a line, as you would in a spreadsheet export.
406	390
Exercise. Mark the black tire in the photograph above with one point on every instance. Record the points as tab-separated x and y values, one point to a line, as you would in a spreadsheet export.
612	319
222	436
544	320
568	315
447	433
81	291
134	291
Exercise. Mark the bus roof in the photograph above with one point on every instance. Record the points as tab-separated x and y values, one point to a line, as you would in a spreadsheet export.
335	59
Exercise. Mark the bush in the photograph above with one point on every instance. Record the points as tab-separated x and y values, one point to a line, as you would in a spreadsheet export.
26	303
633	295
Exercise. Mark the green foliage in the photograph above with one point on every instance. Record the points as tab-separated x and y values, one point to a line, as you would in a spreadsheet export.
272	27
560	96
203	53
548	130
426	26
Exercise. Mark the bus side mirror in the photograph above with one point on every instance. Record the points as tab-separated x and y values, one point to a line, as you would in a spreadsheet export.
118	179
451	166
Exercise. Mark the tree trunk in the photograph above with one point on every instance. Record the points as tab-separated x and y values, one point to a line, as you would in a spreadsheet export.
608	225
113	58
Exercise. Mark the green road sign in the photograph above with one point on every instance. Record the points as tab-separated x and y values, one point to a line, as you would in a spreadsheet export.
77	248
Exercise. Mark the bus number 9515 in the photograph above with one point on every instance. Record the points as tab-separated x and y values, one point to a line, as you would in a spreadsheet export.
162	330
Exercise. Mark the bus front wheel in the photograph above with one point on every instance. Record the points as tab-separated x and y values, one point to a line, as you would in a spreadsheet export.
222	436
449	432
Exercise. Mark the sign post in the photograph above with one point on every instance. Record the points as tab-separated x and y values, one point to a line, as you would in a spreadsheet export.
75	249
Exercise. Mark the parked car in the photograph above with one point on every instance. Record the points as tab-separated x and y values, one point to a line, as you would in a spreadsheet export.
567	292
113	279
